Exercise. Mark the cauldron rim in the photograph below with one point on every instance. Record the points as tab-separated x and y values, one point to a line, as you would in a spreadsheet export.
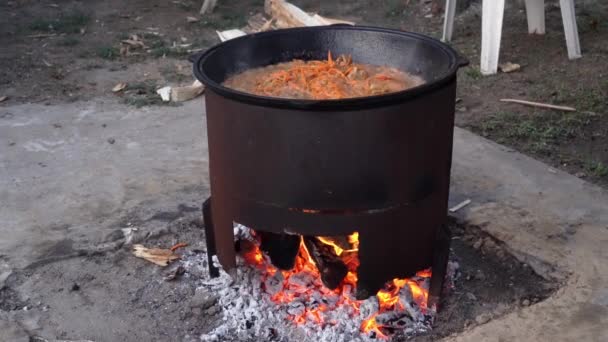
455	62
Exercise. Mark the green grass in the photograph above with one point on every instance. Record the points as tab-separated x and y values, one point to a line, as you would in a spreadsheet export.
222	20
539	131
185	5
66	23
394	8
597	169
473	73
160	48
108	52
143	94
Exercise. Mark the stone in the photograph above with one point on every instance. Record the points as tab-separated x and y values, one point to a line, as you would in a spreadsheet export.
471	296
214	310
483	318
525	302
489	244
500	310
477	244
203	300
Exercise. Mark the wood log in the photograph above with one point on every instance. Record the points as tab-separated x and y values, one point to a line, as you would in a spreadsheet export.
282	249
332	21
330	266
288	15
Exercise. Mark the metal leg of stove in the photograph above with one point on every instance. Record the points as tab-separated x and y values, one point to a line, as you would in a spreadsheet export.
440	264
210	238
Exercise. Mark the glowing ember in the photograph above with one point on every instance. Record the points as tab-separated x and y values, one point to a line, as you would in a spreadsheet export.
298	288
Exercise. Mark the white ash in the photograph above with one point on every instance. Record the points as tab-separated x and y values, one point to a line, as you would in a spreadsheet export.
249	314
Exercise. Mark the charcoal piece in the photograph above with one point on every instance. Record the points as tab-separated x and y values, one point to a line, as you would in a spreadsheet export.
282	249
330	266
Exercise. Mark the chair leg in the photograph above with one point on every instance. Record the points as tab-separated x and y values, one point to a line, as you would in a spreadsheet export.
208	6
535	11
491	31
570	29
448	21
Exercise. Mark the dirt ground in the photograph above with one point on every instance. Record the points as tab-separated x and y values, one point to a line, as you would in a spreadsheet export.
489	283
62	51
58	51
80	294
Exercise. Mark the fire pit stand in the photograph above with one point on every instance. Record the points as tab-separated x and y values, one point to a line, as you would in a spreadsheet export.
441	253
378	165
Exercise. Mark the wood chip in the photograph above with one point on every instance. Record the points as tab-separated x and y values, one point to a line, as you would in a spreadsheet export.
3	98
332	21
267	25
119	87
178	246
180	94
159	256
165	93
192	19
288	15
230	34
255	23
460	205
540	105
509	67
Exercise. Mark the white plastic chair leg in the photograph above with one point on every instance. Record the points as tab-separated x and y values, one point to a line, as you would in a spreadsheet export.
491	32
535	11
570	28
448	21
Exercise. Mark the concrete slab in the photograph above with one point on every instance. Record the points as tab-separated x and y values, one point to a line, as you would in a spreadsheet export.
64	184
66	171
555	222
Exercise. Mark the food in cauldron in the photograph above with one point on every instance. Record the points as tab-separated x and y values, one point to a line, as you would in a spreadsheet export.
322	80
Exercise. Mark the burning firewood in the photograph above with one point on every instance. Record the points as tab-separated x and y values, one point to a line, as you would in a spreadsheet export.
330	266
282	249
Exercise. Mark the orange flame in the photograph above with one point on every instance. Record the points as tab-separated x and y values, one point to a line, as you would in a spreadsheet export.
369	325
388	298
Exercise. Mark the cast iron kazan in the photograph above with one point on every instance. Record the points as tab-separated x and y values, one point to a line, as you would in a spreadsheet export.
378	165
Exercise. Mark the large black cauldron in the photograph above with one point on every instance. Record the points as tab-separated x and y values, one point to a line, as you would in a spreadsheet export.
378	165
